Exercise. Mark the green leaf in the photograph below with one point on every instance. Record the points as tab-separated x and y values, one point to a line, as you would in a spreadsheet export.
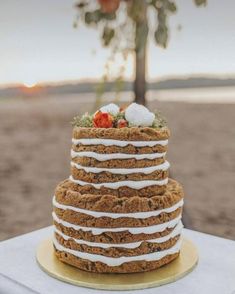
161	33
108	35
75	24
161	17
164	5
161	36
170	6
81	5
92	17
109	16
200	2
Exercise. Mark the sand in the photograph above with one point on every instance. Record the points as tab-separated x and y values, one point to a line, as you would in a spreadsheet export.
35	146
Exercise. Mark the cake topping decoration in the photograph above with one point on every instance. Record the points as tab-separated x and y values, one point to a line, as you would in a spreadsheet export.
138	115
122	123
111	116
110	108
102	120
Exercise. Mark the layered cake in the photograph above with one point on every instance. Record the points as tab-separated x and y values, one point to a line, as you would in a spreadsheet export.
118	212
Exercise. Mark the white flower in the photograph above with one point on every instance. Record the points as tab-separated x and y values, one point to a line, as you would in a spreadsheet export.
138	115
110	108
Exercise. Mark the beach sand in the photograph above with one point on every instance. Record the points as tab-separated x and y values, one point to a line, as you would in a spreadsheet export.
35	140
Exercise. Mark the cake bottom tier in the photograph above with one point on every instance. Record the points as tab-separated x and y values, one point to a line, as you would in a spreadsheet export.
103	264
145	235
127	267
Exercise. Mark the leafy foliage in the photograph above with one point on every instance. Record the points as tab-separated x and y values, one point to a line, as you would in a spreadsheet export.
108	35
125	27
92	17
200	2
161	35
103	15
160	121
85	121
120	115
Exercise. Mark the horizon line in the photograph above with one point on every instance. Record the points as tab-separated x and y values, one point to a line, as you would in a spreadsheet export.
97	80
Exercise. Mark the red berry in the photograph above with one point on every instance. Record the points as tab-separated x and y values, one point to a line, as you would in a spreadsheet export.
122	123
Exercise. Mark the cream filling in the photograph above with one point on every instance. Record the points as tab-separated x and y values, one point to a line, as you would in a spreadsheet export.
115	215
115	185
116	261
110	156
111	142
133	230
123	171
177	231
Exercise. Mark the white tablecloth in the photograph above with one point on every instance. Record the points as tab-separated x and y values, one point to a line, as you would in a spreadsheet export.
20	274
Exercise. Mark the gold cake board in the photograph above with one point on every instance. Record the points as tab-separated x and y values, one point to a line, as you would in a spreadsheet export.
177	269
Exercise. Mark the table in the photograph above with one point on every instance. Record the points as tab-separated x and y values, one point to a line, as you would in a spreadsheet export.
20	274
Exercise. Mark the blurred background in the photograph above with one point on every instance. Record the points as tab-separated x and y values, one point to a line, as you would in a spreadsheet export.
60	58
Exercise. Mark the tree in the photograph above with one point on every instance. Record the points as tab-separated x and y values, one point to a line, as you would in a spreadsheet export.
125	27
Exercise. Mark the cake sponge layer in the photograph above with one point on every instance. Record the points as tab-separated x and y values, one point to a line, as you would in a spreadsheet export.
144	248
106	176
99	267
129	149
68	193
124	134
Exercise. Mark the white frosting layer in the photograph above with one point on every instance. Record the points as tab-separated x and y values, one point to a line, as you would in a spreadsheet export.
141	215
104	157
133	230
111	142
116	261
177	230
123	171
115	185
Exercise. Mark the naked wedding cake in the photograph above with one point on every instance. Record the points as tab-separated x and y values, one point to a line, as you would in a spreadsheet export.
118	212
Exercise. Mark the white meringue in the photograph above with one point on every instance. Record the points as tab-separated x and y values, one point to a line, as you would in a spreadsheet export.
138	115
110	108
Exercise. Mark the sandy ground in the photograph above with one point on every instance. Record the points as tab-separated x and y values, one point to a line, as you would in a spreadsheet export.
35	145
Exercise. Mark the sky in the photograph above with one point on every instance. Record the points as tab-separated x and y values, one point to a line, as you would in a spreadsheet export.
39	44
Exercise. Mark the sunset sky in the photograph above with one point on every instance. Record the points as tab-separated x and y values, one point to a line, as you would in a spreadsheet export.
39	43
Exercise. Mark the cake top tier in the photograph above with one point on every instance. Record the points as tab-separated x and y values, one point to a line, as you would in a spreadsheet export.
112	116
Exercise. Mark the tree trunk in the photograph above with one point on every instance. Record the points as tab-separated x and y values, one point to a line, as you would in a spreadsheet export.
140	81
141	35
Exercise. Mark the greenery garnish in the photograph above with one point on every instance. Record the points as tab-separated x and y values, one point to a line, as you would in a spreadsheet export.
117	117
160	121
86	121
120	115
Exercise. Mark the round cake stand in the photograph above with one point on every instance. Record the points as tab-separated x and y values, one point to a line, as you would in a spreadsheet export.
177	269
